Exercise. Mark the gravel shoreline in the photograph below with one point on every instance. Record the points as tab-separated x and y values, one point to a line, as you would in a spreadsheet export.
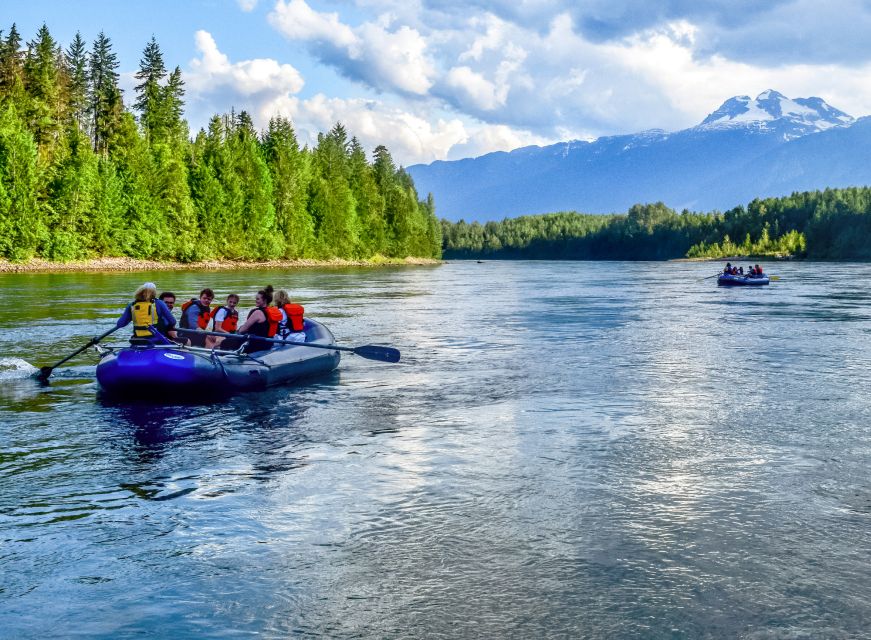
38	265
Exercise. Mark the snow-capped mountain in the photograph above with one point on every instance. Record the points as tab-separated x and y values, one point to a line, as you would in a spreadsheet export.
767	146
773	111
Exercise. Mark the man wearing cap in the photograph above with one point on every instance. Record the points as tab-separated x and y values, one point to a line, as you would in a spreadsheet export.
145	312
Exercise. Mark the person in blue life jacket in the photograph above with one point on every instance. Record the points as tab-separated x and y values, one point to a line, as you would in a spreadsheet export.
146	313
728	270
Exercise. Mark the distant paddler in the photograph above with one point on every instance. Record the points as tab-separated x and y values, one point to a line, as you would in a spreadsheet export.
152	320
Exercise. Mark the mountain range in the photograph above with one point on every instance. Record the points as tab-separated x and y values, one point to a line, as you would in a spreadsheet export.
748	148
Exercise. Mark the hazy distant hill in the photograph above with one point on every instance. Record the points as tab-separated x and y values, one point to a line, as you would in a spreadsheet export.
748	148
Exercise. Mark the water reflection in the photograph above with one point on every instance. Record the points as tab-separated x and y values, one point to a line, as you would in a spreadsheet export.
565	450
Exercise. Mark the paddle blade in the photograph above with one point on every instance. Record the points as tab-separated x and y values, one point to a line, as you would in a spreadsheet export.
376	352
774	277
44	373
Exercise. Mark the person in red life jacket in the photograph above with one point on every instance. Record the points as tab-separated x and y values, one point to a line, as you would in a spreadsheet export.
759	271
262	321
225	319
195	314
147	313
292	324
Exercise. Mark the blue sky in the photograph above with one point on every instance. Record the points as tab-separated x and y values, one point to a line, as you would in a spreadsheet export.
444	79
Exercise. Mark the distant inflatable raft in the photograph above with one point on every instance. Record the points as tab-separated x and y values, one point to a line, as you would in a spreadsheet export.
726	280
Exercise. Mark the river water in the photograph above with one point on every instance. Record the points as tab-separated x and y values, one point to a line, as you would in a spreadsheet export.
596	450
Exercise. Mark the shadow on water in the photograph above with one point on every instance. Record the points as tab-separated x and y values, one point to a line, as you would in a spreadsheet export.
264	417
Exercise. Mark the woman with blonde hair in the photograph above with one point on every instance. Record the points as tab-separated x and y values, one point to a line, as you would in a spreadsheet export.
151	318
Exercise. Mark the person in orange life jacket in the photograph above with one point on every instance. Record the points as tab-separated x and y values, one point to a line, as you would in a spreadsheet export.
195	314
144	312
759	271
291	327
225	320
262	321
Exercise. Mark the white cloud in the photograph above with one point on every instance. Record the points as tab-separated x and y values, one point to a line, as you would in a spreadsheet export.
266	88
247	5
298	21
384	57
213	71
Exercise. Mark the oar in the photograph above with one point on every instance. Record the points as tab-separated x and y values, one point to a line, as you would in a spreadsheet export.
370	351
45	372
709	277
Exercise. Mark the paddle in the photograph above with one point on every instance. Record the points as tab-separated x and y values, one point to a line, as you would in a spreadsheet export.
370	351
716	275
45	372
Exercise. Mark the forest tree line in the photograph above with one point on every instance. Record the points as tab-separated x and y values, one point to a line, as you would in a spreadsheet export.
82	175
826	225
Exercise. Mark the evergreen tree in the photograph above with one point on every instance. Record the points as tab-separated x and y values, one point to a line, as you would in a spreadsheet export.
12	69
172	103
42	85
22	226
290	168
105	97
370	202
331	202
76	60
149	93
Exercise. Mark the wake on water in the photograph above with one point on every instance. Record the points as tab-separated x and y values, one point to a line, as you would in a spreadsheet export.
12	368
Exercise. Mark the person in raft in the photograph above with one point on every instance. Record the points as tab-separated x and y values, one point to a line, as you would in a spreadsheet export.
262	322
148	315
225	319
728	270
195	314
292	325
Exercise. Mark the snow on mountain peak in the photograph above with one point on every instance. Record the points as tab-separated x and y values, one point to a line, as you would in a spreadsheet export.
773	110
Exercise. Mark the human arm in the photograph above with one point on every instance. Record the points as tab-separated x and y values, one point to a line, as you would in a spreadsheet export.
255	317
126	317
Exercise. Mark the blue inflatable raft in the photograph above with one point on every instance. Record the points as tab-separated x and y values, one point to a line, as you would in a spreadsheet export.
725	280
148	369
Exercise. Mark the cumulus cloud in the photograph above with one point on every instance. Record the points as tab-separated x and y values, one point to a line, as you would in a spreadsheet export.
377	53
213	71
440	81
266	88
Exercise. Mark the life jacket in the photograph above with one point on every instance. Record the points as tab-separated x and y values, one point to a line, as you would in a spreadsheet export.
269	328
230	321
144	315
202	317
294	314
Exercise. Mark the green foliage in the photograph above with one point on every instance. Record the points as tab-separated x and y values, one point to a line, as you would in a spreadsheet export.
80	177
829	225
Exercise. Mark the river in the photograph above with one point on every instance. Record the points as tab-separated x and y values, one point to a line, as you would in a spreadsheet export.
584	450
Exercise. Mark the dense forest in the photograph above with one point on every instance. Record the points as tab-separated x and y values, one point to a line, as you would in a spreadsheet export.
82	175
834	224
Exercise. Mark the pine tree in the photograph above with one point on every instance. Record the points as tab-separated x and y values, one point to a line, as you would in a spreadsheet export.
106	106
149	94
290	168
172	101
42	85
76	60
12	69
370	202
